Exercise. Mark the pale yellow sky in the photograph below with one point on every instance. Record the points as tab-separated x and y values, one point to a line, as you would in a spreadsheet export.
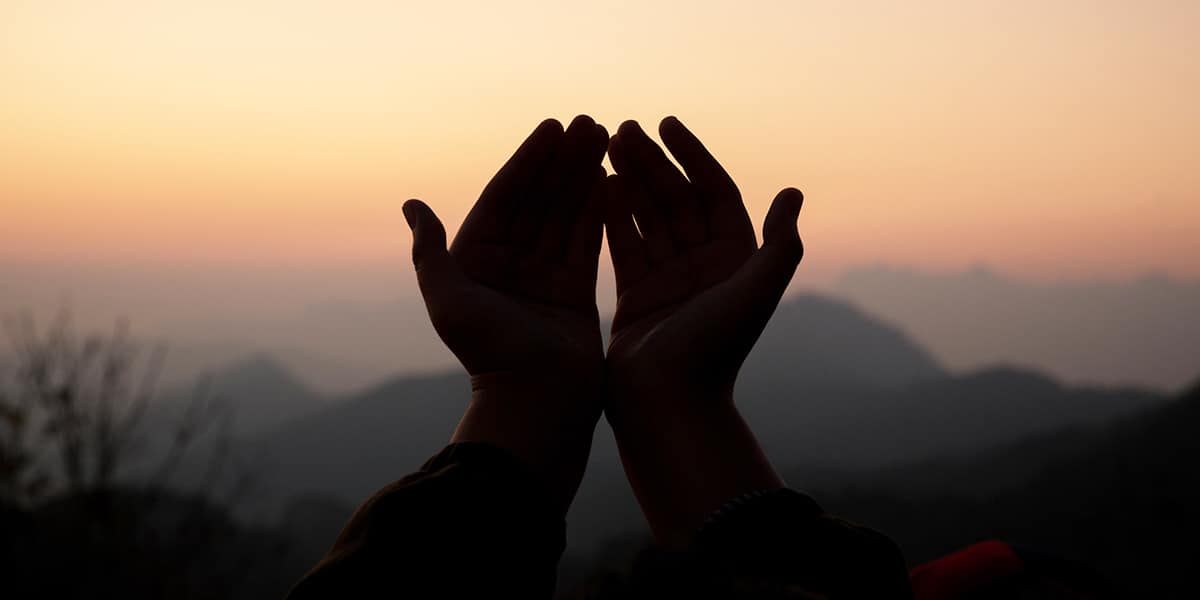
1049	139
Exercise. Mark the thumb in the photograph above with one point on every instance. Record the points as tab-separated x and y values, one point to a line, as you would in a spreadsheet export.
779	228
737	315
432	261
766	275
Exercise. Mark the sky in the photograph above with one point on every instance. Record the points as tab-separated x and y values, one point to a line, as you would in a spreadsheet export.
148	147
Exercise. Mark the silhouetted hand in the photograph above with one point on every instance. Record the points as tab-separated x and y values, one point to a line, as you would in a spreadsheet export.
694	292
515	299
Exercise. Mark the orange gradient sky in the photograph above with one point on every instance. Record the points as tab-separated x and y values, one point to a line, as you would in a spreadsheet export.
1048	139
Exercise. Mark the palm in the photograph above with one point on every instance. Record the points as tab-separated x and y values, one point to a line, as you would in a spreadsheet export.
524	311
694	290
517	287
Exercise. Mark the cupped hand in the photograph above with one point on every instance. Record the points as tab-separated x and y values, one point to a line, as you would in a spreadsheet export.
514	298
694	289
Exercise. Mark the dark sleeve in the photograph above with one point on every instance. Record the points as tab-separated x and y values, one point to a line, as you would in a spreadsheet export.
780	544
472	521
784	538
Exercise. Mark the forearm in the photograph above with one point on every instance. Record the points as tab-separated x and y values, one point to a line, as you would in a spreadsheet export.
685	462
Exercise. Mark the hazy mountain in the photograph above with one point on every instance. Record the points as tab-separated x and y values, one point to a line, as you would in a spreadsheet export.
1143	332
828	385
1121	498
997	429
344	339
814	341
357	445
952	416
339	347
324	371
260	392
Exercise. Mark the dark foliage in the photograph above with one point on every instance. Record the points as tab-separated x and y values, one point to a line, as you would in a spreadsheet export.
140	544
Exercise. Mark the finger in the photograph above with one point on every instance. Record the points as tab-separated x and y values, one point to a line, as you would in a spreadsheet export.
658	242
651	217
666	184
726	214
583	148
492	216
779	227
534	206
436	270
628	250
583	249
770	270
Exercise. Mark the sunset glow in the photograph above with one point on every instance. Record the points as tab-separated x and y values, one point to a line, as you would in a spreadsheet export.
1046	139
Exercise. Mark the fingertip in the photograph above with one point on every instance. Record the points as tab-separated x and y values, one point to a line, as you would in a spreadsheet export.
600	139
780	226
671	128
793	199
630	127
548	127
792	192
581	122
784	210
410	208
617	151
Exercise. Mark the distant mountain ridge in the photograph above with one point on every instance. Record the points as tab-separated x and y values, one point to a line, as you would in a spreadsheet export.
949	416
827	384
838	343
1141	332
260	392
1122	498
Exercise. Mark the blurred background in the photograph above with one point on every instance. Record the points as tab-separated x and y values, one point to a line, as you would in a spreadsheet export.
213	330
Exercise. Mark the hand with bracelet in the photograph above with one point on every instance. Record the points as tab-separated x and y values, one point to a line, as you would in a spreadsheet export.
513	297
694	292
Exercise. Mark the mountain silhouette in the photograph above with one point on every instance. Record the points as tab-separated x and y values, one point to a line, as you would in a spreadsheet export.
258	391
815	341
958	416
1123	498
827	385
1142	331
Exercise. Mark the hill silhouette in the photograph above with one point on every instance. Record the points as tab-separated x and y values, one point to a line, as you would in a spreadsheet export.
828	386
815	341
1123	498
1142	331
950	417
260	392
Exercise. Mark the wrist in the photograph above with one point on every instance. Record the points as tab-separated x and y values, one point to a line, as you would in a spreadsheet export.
546	422
686	463
682	399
